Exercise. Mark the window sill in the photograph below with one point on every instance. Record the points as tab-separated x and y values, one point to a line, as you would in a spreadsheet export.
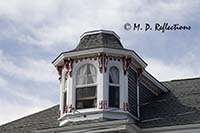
90	111
117	110
94	113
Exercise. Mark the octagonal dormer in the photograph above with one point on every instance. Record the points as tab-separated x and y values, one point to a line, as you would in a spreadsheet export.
94	78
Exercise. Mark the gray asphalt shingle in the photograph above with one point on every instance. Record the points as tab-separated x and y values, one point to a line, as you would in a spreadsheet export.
181	105
44	119
99	40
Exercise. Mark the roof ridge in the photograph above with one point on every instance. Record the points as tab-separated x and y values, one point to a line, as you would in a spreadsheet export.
177	80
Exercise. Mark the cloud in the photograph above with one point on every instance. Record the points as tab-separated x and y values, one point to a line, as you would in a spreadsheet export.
180	69
29	69
23	86
13	111
50	23
16	103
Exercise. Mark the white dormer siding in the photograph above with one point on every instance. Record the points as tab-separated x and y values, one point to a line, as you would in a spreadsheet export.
69	86
105	68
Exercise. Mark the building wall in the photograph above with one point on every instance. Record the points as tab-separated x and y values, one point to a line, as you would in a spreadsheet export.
145	94
102	84
132	91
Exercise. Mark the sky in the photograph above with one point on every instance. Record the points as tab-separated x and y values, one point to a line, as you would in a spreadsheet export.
33	33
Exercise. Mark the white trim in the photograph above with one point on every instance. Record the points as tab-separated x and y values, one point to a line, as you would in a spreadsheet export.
138	98
81	127
86	85
152	79
75	71
178	128
99	31
118	65
122	52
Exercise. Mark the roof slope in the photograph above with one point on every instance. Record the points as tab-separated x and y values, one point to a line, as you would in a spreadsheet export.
181	105
44	119
98	39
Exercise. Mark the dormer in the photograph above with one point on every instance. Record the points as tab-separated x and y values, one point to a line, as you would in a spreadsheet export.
100	79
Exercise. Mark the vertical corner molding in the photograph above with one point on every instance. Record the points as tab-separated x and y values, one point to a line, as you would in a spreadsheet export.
139	73
138	99
58	114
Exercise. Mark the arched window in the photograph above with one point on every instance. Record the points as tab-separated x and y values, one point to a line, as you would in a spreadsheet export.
86	86
114	87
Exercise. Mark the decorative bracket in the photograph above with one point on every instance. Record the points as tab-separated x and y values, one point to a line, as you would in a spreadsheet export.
139	72
100	61
126	64
68	109
105	62
125	106
103	104
68	65
59	69
58	114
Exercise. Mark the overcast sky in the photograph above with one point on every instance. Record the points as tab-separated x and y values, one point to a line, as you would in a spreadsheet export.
34	32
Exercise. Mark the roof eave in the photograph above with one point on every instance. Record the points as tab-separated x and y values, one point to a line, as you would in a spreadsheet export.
155	81
99	50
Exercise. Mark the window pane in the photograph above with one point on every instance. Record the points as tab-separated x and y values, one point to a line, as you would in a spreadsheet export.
86	74
82	70
81	80
114	96
114	75
86	104
91	79
86	97
64	101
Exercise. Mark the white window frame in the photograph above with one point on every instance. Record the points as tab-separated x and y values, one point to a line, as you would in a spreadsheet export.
86	85
115	85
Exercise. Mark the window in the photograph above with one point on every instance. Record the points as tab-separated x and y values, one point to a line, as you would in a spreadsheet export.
114	87
64	101
64	94
86	79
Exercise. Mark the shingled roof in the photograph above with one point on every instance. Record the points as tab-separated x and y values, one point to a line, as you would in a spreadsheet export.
44	119
99	39
180	106
177	107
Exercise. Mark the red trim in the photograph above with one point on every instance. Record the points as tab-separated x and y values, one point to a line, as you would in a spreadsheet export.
103	104
59	69
125	106
105	61
66	108
58	114
68	65
126	64
100	61
139	71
